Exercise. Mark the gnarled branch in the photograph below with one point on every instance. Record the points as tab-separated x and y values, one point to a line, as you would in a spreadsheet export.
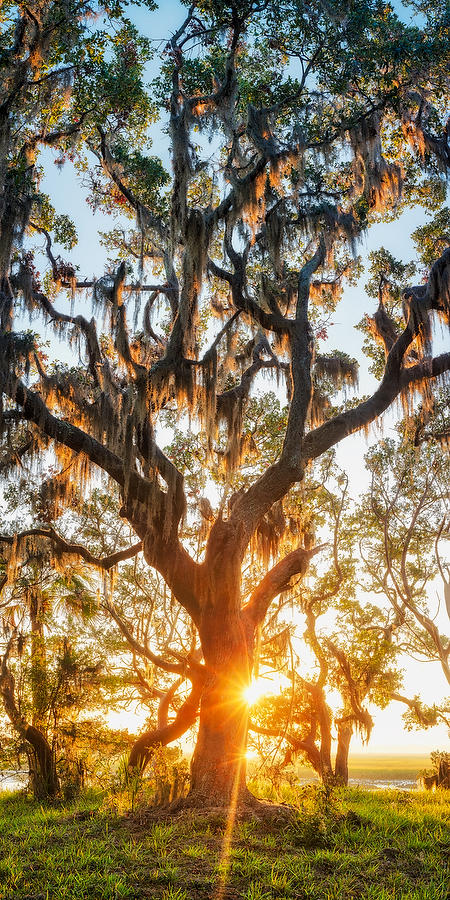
276	581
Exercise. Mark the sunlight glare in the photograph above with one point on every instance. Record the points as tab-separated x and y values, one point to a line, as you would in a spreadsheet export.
254	691
263	687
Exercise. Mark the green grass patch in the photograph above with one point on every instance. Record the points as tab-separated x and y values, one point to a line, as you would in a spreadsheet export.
353	844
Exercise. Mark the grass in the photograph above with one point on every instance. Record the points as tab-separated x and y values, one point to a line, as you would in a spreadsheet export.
355	844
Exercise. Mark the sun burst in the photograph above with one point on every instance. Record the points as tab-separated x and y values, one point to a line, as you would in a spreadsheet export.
261	687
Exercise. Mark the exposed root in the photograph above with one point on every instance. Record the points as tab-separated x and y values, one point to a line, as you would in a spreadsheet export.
197	806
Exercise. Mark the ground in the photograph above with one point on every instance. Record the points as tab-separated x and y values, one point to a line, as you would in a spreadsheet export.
352	844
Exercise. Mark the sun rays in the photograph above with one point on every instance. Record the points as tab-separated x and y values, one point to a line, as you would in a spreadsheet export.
264	686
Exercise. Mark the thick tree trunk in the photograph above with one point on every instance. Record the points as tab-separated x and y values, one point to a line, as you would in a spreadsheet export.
345	731
41	759
42	764
326	769
218	768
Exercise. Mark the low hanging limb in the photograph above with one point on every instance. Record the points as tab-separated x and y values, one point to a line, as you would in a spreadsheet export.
297	745
100	370
149	691
35	410
67	547
188	667
426	716
147	743
276	581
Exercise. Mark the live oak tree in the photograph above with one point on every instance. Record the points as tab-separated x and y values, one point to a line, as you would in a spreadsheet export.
57	679
331	645
404	548
356	667
26	643
53	683
439	774
391	545
322	117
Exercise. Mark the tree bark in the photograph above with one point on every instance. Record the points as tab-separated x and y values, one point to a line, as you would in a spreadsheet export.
326	768
218	767
345	731
42	764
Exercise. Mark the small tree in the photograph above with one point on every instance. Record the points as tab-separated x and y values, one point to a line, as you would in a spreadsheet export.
25	694
54	681
438	776
407	518
347	653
